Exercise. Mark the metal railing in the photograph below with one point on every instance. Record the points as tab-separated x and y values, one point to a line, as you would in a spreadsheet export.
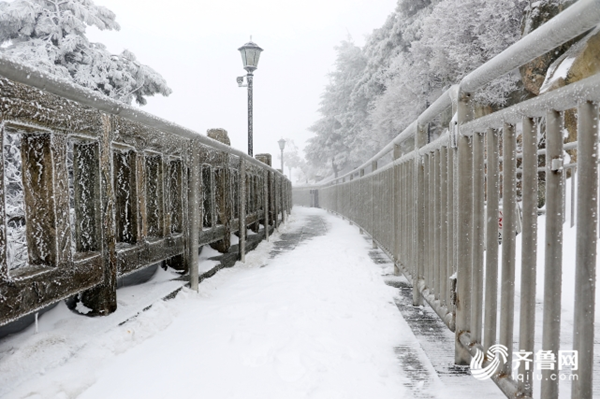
93	190
435	211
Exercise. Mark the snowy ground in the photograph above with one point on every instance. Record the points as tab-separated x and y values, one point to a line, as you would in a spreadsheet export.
307	316
317	322
313	321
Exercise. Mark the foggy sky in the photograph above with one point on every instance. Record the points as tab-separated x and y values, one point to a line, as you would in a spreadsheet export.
193	45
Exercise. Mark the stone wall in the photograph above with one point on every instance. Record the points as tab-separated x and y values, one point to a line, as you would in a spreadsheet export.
92	196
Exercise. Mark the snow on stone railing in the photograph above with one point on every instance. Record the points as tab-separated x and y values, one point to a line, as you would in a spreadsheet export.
95	190
457	210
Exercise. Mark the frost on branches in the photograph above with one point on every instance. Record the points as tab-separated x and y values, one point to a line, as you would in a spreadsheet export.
50	35
422	49
333	142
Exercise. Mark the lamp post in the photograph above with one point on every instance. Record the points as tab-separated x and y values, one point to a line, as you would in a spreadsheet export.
250	55
282	146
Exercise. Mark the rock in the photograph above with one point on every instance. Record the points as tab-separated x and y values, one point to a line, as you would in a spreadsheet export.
534	72
582	60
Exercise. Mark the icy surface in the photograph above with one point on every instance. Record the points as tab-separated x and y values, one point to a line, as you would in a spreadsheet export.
123	171
72	212
174	193
16	231
153	195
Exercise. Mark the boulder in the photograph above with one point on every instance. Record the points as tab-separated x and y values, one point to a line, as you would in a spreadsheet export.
534	72
580	61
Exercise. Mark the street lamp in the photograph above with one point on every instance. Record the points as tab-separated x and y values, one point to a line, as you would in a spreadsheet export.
250	55
282	146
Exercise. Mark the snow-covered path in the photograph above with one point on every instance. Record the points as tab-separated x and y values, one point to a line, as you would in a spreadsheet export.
317	321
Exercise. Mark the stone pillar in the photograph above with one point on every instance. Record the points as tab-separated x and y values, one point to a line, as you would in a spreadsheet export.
223	200
194	222
220	135
102	299
242	209
264	158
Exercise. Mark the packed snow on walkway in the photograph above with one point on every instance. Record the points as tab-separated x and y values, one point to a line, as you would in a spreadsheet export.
315	322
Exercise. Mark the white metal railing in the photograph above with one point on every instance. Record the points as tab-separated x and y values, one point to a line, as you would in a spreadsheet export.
435	210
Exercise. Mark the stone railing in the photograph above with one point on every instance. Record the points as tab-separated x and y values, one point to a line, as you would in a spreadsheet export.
95	190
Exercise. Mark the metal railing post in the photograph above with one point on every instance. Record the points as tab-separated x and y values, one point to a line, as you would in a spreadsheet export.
374	197
443	249
587	236
403	225
409	204
419	203
428	221
509	230
529	249
436	224
478	230
451	217
397	203
491	246
553	245
419	218
465	229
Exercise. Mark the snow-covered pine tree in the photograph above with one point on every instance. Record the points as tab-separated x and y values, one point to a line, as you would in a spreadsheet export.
50	35
459	36
336	130
396	84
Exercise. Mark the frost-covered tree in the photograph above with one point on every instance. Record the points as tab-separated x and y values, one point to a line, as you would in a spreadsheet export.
336	131
404	83
459	36
292	159
444	42
50	35
423	48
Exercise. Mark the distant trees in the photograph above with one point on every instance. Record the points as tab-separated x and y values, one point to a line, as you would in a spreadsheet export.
293	160
50	35
422	49
342	113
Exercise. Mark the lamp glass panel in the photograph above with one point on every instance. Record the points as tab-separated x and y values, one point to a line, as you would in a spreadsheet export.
252	57
243	52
